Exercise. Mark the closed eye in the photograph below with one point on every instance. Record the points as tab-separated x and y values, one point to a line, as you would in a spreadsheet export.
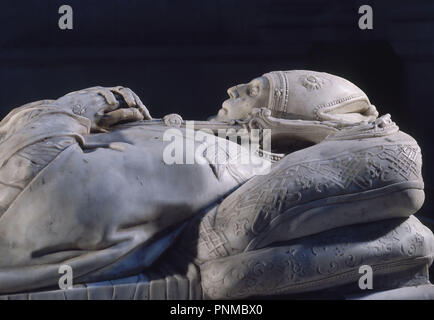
253	91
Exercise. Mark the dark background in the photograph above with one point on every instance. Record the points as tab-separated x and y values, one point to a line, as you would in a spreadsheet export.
181	56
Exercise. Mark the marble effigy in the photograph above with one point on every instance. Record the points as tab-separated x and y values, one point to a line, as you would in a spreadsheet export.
85	182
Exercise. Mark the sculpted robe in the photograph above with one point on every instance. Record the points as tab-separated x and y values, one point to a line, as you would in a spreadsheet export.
108	205
107	210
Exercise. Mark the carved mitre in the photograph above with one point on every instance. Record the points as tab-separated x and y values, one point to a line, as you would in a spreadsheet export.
311	95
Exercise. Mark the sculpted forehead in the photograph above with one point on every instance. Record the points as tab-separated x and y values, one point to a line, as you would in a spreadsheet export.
258	88
260	81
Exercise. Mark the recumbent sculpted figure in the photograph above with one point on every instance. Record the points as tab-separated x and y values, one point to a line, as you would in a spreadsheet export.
84	183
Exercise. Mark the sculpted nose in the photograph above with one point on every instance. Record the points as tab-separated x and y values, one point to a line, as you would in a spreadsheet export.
232	92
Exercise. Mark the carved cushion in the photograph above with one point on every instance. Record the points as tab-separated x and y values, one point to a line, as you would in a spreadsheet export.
332	184
329	259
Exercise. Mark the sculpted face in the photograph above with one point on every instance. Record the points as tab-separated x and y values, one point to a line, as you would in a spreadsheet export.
243	98
299	94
